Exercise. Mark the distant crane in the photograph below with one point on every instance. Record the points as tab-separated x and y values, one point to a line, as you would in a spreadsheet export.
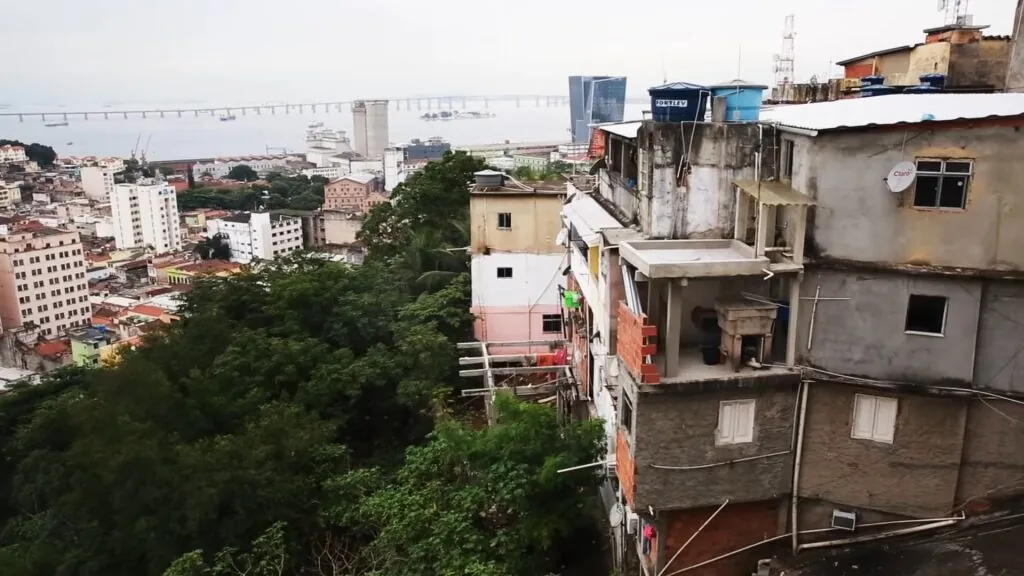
142	156
136	147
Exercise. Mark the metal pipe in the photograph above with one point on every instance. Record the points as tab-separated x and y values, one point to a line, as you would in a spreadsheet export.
692	536
870	537
582	466
794	503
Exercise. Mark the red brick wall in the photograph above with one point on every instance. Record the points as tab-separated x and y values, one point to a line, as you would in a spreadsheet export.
624	467
581	363
636	341
736	526
860	70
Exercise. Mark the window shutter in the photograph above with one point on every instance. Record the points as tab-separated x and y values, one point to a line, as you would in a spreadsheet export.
863	416
726	422
744	422
885	419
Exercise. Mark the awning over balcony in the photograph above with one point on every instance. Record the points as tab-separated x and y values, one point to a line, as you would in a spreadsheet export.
589	218
774	193
692	258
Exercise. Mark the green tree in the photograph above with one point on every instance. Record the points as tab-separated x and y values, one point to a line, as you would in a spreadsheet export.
487	502
243	173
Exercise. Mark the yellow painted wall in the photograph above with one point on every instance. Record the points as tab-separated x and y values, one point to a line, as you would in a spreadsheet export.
536	221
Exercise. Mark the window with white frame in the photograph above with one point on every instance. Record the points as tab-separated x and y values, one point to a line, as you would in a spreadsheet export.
504	272
735	422
552	323
942	184
504	220
874	418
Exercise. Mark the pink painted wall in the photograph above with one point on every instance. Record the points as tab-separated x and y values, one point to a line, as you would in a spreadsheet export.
514	323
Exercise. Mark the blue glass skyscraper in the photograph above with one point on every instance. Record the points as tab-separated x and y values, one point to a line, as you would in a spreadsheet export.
593	100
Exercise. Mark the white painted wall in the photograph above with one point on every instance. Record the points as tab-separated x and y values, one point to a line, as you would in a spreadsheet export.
535	279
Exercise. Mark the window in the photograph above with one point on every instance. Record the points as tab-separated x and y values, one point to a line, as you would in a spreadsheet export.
504	220
627	413
926	315
942	184
504	272
552	323
787	159
735	422
874	418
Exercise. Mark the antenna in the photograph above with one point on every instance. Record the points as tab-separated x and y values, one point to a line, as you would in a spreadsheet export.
784	61
955	12
664	74
739	62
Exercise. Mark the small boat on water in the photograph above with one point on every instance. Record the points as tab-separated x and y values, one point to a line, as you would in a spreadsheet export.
70	144
55	124
315	125
227	117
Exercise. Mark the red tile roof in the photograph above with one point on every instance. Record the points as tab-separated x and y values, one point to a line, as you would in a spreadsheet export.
147	310
53	348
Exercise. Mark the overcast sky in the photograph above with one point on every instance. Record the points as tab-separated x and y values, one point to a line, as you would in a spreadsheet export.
246	51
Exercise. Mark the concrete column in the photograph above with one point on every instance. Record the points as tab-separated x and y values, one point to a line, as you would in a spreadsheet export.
740	222
794	317
799	234
1015	66
673	328
655	309
762	229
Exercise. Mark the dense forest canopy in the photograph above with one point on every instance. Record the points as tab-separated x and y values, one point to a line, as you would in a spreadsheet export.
302	419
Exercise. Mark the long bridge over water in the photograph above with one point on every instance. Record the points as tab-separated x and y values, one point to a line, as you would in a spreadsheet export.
273	108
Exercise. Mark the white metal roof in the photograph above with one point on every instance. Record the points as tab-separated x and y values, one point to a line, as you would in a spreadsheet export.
624	129
893	110
589	218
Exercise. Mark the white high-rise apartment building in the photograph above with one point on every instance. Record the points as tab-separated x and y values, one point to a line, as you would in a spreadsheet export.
43	280
98	181
370	118
146	214
258	235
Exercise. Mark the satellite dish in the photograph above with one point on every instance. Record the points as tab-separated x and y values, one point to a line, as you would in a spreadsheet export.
901	177
616	514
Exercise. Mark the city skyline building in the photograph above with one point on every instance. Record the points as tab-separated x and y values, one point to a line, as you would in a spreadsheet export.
594	100
146	214
370	123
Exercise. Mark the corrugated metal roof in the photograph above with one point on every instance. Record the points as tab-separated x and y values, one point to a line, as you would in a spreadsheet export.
589	217
774	193
894	109
882	52
624	129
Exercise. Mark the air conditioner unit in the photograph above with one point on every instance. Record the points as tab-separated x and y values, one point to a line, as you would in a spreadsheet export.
632	522
844	520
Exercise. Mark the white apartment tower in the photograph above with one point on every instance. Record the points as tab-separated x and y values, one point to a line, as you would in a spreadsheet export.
258	235
146	214
98	182
43	280
370	119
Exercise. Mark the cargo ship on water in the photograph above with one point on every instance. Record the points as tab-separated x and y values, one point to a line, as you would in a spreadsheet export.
456	115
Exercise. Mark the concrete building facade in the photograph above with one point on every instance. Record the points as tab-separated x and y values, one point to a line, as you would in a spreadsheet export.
9	153
145	214
790	334
370	119
258	235
98	182
353	193
42	280
516	263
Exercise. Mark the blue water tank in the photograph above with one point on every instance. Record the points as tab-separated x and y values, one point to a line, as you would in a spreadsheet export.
922	89
678	102
872	81
876	90
742	99
934	79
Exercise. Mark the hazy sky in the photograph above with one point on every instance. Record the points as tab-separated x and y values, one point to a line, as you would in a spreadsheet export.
246	51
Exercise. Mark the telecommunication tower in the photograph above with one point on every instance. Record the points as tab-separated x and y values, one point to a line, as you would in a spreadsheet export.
955	12
784	61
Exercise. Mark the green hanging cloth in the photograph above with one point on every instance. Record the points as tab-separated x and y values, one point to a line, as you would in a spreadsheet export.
571	300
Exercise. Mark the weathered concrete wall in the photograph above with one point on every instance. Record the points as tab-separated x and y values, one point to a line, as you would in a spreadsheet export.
1015	69
914	476
979	63
998	362
675	428
858	218
993	459
865	335
698	202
